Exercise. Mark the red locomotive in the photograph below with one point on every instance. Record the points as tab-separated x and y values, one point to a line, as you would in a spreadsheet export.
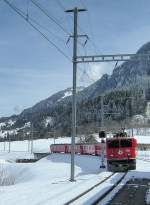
89	149
121	153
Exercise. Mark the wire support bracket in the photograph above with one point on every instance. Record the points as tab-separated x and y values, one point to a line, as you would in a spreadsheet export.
112	58
79	36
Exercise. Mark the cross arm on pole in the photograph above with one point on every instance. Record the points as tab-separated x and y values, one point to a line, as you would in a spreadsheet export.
112	58
72	10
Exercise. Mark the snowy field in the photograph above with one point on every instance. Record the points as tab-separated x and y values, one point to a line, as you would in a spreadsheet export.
47	181
41	145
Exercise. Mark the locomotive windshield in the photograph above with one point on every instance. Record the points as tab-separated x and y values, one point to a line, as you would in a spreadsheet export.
113	144
120	143
126	143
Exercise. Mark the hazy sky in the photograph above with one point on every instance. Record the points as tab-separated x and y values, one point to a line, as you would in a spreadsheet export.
31	69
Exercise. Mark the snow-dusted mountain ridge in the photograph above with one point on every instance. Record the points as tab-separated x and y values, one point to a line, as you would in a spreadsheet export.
58	106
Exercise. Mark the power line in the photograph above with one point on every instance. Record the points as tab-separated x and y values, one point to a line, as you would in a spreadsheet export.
80	28
91	31
26	18
57	48
91	40
63	8
66	22
27	15
85	72
43	27
50	17
46	29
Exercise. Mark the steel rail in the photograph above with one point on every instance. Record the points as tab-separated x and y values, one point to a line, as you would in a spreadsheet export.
97	201
88	190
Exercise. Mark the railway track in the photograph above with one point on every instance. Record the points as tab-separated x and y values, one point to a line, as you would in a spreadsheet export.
99	201
96	190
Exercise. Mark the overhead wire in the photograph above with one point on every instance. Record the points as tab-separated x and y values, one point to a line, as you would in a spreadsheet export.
27	19
78	26
92	39
48	30
28	2
84	72
88	68
84	48
81	69
43	27
64	20
50	16
57	48
84	65
63	8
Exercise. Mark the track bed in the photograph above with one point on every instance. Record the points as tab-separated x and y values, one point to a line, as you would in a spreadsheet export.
133	193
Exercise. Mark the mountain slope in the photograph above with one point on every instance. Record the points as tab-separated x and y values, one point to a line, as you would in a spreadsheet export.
123	76
58	106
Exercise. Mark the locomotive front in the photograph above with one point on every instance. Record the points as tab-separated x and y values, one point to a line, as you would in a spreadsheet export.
121	153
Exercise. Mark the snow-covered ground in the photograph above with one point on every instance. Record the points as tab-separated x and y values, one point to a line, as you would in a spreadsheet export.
142	139
47	181
41	145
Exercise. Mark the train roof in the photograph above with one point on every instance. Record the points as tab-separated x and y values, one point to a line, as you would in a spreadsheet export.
78	143
119	138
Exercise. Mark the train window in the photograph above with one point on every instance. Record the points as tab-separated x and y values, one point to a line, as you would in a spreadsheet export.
113	144
126	143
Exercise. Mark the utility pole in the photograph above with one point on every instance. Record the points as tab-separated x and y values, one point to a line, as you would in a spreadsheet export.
132	111
102	112
5	142
75	37
4	145
32	138
29	141
102	130
9	142
54	135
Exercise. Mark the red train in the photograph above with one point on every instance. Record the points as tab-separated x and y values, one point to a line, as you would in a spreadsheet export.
121	153
89	149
